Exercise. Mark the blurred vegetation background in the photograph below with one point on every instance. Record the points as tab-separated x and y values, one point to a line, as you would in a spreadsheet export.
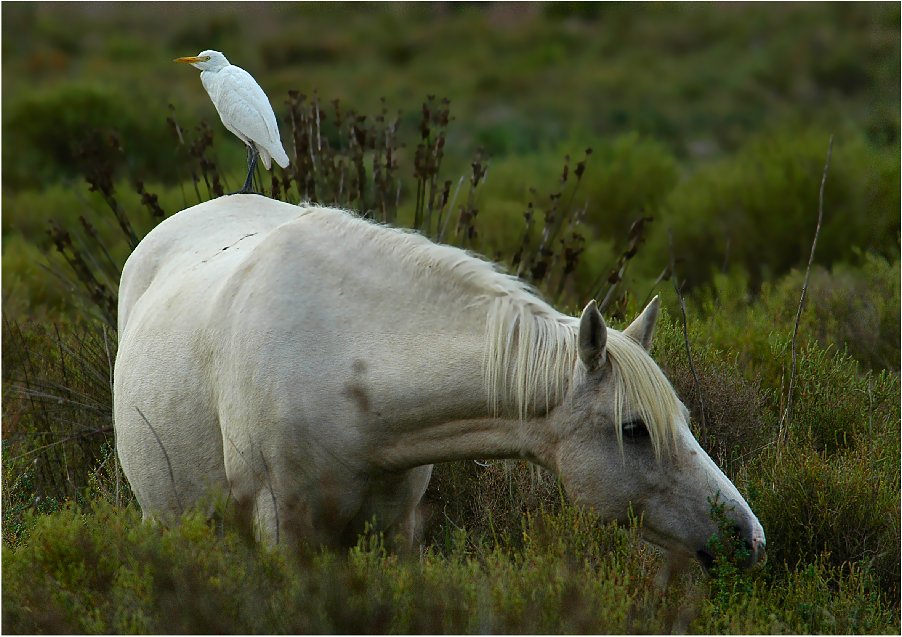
708	126
711	119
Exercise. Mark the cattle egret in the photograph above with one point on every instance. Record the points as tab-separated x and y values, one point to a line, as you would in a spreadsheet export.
243	108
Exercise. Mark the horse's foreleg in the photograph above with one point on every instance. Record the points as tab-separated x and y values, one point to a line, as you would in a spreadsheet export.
410	526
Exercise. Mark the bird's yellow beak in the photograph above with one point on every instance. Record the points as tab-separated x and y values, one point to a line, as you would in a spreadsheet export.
192	59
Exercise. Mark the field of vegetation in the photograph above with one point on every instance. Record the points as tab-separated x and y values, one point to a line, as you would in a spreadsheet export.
604	150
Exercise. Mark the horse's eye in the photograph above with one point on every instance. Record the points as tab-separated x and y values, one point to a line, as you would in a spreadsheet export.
634	430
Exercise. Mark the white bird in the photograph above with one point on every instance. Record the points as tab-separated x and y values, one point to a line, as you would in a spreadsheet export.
243	108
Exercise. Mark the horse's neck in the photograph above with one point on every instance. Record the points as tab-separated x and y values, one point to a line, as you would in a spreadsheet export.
495	361
449	413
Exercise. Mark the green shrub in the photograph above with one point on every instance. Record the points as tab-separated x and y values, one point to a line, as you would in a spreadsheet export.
52	125
758	209
853	308
814	599
631	176
834	405
101	570
487	499
739	417
626	177
57	421
827	490
842	508
27	289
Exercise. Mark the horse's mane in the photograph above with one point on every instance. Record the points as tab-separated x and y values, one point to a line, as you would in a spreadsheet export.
530	348
517	378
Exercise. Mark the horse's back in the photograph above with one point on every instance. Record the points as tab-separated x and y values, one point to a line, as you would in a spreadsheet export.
194	237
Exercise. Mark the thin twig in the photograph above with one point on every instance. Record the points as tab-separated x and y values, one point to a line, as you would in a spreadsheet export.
787	414
679	291
56	443
268	482
698	385
178	500
441	234
635	239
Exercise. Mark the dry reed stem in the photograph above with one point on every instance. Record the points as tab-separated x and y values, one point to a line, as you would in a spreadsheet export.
698	385
787	413
679	291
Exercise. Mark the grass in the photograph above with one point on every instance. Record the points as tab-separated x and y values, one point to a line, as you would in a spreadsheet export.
102	571
725	163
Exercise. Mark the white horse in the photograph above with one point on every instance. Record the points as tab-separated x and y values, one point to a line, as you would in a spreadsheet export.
314	366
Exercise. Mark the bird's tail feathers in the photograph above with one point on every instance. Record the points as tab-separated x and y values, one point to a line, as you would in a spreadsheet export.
280	156
265	157
268	154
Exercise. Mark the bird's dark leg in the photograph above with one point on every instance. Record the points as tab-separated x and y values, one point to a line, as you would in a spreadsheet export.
248	188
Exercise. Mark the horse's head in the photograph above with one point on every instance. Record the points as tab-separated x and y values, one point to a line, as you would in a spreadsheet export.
626	446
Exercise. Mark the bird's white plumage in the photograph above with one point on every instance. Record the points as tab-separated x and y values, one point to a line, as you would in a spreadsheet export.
242	105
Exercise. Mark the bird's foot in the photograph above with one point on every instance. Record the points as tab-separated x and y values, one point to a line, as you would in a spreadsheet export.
246	191
248	187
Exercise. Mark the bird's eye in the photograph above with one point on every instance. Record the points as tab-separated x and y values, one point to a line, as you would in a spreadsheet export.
634	430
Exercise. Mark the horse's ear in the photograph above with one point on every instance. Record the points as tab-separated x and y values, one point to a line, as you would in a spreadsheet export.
642	329
593	337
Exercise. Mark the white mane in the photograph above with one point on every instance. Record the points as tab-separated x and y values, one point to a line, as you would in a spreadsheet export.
531	361
530	358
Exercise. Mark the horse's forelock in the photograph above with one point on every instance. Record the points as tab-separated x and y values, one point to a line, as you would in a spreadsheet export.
640	384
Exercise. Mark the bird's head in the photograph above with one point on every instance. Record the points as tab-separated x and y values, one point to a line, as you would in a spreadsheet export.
206	60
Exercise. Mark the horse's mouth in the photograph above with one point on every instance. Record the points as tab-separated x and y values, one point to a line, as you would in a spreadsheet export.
706	559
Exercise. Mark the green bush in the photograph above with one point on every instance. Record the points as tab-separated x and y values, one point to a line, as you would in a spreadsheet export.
739	416
488	499
631	176
57	420
852	307
842	507
51	126
101	570
757	210
825	484
814	599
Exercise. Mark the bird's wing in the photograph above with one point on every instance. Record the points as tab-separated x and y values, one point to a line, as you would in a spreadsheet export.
244	108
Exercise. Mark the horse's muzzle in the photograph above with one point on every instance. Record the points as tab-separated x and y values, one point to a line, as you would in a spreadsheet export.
752	542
